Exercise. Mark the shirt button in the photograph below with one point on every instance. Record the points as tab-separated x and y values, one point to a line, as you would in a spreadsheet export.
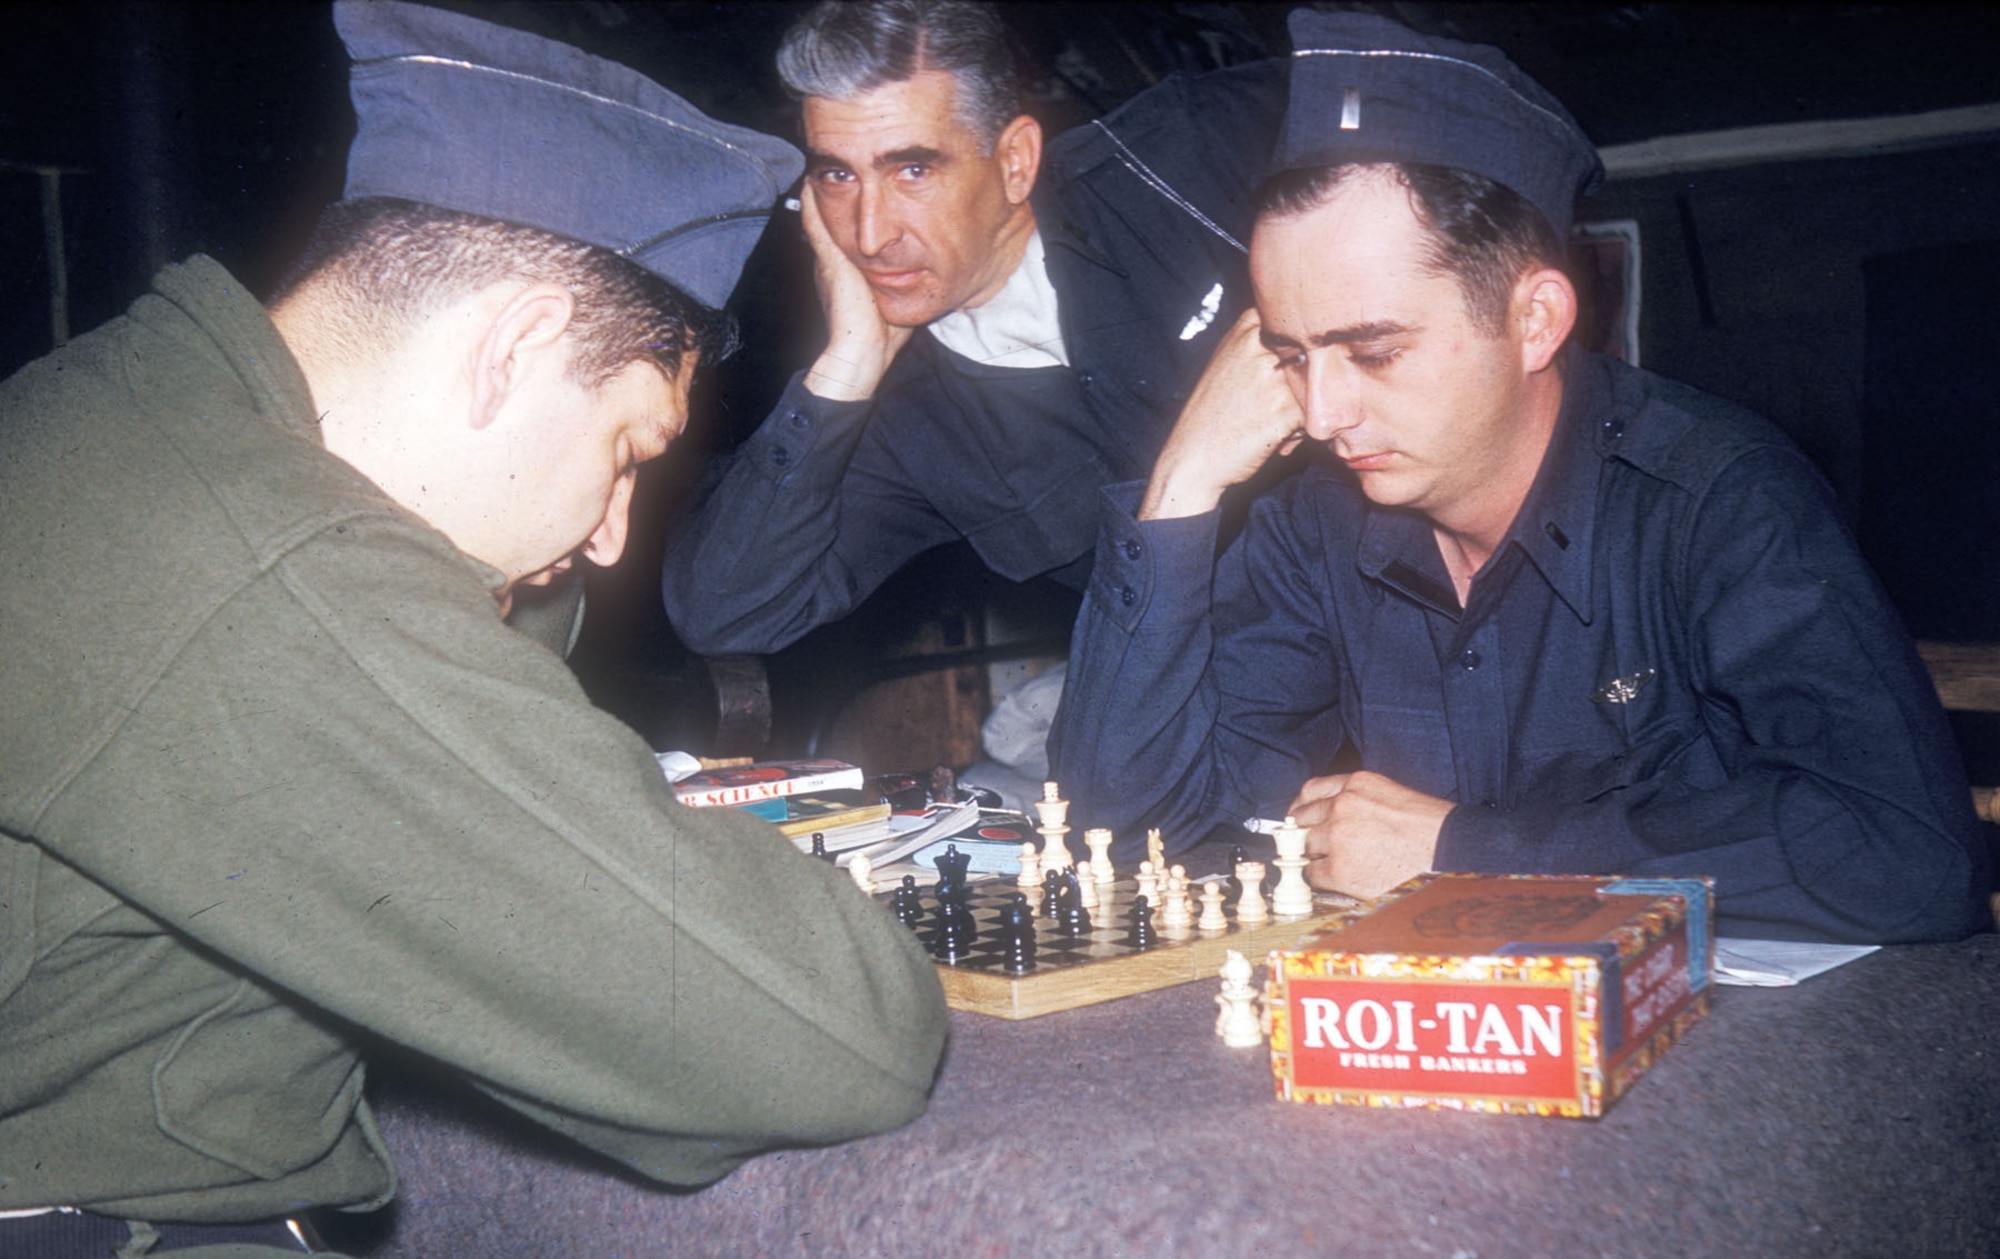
1128	596
1469	658
1615	427
780	456
1132	550
1084	379
799	420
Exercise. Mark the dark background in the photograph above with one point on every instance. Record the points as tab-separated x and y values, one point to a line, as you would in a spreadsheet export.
1851	299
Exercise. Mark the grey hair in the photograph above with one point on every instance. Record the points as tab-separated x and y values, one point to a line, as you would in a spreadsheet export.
843	48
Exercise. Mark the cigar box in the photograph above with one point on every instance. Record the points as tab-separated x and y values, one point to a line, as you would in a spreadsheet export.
1511	994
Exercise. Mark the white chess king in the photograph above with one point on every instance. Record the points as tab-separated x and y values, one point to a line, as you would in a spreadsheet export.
1293	896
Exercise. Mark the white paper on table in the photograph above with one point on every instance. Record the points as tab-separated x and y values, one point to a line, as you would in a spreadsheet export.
912	833
677	765
1779	963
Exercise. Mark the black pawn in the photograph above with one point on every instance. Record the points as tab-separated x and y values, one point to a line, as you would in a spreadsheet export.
1070	913
1140	934
819	846
1233	886
1051	893
907	902
1017	936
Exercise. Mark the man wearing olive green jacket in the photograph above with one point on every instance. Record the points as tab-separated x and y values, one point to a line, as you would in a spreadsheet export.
276	781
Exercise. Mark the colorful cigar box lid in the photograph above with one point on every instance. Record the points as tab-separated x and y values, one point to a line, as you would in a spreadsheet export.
1513	994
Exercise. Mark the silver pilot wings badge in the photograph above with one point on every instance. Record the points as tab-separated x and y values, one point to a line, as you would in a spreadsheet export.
1623	690
1206	315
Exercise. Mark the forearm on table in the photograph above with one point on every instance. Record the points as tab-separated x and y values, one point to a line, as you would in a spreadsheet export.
443	843
1792	855
1811	772
793	1011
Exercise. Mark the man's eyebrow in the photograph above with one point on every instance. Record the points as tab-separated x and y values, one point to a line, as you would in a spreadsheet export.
1351	335
919	154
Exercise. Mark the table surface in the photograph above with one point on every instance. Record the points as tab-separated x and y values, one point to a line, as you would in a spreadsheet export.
1858	1113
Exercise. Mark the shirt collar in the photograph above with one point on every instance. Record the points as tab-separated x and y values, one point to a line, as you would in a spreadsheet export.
1063	236
1557	523
1554	529
240	329
1398	549
1017	327
243	333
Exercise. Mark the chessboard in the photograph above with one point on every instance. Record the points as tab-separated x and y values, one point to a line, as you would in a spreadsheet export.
1102	963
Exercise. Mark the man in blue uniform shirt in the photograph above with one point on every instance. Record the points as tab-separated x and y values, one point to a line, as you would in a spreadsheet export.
1571	617
1006	334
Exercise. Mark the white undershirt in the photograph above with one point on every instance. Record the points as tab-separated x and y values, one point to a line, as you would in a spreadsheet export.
1016	327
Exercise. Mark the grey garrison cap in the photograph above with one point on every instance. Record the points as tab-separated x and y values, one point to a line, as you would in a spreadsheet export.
1367	89
486	120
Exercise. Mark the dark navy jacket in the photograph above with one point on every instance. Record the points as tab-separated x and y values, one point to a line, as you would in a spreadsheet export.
1677	663
1144	218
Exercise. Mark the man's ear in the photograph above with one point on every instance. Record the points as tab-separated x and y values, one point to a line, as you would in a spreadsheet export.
521	336
1544	312
1019	149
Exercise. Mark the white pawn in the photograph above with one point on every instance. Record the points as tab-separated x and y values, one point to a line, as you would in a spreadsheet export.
1086	890
1212	918
1098	840
862	870
1229	985
1148	884
1176	911
1031	867
1251	907
1236	1019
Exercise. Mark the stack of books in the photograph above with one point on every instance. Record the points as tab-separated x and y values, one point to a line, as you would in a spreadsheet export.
801	798
828	801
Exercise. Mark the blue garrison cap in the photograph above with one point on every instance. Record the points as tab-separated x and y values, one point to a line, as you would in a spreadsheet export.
486	120
1367	89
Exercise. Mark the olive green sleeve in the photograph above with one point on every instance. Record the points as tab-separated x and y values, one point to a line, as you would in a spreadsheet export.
350	779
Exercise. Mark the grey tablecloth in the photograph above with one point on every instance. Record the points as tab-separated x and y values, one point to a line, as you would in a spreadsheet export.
1857	1114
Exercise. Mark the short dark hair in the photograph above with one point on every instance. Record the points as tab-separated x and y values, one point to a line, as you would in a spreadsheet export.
393	260
842	48
1483	234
